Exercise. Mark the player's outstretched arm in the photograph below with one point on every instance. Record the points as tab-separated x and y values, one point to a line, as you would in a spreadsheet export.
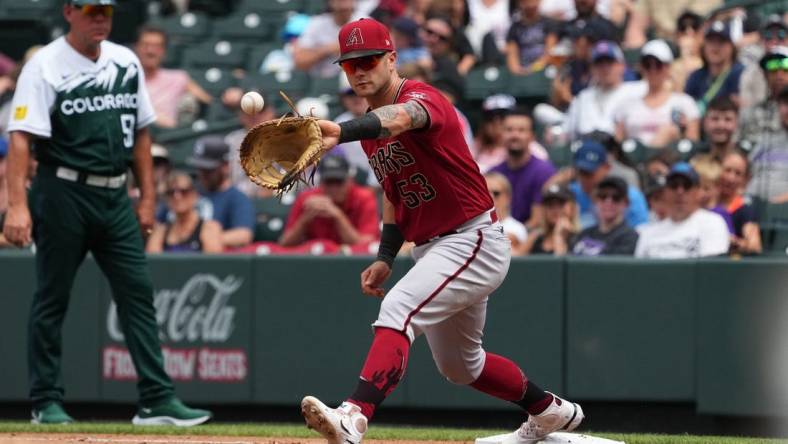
386	121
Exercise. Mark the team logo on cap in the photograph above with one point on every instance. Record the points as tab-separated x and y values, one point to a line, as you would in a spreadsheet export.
355	38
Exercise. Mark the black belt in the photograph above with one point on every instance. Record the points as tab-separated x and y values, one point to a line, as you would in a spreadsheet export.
493	219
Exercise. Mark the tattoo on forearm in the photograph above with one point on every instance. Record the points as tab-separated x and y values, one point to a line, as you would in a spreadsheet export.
386	114
418	116
389	113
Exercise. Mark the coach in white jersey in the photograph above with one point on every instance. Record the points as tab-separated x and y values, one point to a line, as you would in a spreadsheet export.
82	101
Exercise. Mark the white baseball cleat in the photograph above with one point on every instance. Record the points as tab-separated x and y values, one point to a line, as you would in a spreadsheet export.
342	425
560	415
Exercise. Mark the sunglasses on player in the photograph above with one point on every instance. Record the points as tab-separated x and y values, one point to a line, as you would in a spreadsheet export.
95	10
350	66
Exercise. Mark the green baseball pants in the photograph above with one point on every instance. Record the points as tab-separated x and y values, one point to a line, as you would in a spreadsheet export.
70	219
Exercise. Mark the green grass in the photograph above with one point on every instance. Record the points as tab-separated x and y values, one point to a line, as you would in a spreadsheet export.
387	433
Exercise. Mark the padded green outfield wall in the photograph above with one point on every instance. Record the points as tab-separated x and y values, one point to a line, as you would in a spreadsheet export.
268	330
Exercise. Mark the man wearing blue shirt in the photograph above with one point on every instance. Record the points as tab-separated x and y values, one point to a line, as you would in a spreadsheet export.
221	201
591	165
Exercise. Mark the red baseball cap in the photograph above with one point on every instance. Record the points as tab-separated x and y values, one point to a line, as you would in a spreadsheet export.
363	37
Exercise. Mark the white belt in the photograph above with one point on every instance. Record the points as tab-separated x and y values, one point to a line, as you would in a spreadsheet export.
91	179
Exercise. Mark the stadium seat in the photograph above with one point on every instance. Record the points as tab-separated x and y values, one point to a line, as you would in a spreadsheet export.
685	149
172	59
218	53
214	80
532	87
328	91
16	36
560	155
30	10
271	6
636	151
775	240
270	218
257	54
218	112
248	27
485	81
187	28
314	7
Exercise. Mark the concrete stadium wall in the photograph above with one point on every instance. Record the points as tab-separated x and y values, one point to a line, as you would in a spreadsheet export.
268	330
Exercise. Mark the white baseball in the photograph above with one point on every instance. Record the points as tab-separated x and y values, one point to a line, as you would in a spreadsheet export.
252	102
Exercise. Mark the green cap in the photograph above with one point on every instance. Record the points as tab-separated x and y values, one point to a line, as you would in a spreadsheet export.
91	2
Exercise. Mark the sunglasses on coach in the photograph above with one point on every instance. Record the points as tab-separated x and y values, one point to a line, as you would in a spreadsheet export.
95	10
350	66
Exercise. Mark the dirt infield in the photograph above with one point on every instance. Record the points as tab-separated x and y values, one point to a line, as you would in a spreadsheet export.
43	438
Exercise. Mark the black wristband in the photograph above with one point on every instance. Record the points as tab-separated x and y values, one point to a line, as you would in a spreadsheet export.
365	127
391	241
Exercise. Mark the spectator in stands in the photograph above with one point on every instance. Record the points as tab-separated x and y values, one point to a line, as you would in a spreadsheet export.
721	73
530	39
593	108
654	189
765	128
661	116
488	149
161	169
221	201
557	224
754	88
526	173
719	129
746	237
452	55
688	41
405	33
575	74
486	31
659	163
689	231
661	15
354	106
187	232
317	47
8	80
501	192
281	59
709	173
231	99
168	88
611	235
590	167
620	165
588	15
337	210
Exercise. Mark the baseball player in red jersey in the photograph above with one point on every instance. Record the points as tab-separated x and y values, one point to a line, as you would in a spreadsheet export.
436	197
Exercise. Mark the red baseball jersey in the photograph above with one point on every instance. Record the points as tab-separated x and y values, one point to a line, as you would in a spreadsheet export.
429	174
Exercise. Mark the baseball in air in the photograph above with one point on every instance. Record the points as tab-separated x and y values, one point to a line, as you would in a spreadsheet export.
252	102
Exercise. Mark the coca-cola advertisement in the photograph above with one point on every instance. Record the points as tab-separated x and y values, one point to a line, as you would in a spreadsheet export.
203	320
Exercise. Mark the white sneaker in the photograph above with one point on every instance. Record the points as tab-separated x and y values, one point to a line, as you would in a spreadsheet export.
560	415
342	425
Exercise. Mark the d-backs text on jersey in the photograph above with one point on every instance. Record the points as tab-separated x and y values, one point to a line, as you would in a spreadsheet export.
390	159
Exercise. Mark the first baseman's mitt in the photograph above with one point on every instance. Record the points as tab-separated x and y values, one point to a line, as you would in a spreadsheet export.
275	154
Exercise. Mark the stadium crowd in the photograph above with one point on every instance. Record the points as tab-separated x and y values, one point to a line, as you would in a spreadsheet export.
656	129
